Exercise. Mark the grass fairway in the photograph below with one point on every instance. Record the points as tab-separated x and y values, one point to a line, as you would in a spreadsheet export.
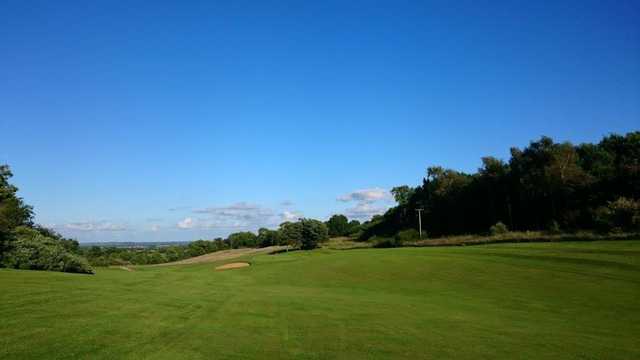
520	301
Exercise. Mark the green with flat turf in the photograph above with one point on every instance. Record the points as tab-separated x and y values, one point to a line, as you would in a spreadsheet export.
552	300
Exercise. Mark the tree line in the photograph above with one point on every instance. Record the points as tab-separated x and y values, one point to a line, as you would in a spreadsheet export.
558	187
544	186
305	234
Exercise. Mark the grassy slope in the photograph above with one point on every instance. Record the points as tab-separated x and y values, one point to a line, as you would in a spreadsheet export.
549	300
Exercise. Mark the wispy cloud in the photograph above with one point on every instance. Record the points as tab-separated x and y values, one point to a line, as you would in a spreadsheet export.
365	211
365	195
238	216
286	203
186	223
95	226
369	202
290	216
180	208
237	208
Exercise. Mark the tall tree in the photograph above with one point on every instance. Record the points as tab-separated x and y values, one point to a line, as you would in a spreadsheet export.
290	233
313	232
402	194
338	225
268	237
544	185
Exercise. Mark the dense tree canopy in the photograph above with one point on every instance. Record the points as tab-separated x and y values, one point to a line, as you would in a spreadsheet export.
338	225
268	237
290	233
544	185
313	233
243	239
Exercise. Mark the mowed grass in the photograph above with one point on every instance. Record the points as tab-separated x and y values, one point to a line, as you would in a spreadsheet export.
509	301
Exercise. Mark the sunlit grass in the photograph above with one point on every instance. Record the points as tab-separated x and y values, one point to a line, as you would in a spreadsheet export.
537	300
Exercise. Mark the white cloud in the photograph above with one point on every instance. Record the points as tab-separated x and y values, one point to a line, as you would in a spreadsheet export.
234	209
286	203
155	228
95	226
365	195
364	211
290	216
240	216
369	202
186	223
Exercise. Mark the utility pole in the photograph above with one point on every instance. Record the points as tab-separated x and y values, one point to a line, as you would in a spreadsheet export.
420	221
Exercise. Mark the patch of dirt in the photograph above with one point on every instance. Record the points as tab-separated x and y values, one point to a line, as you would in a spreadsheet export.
230	266
224	255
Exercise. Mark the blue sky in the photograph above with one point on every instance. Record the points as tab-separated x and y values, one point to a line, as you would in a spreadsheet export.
157	121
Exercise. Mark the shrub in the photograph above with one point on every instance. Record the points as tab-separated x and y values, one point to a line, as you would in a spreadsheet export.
623	214
554	228
33	251
385	242
498	229
75	264
407	235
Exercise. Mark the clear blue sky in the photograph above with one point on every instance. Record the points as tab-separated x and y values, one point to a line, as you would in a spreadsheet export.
155	121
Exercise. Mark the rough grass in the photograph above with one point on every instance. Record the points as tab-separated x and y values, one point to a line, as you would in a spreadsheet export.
526	301
344	243
519	236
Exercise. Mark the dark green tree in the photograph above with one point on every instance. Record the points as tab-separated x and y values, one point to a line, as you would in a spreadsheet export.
338	225
313	233
402	194
268	237
243	239
545	185
354	227
290	233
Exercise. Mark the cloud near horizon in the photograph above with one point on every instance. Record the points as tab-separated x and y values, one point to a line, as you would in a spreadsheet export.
366	195
238	216
364	211
95	226
290	216
186	223
365	199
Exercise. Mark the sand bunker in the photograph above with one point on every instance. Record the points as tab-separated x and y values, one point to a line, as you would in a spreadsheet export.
234	265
